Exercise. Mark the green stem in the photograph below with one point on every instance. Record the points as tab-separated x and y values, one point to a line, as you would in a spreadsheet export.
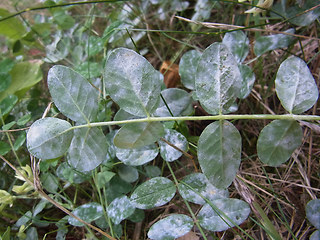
187	204
199	118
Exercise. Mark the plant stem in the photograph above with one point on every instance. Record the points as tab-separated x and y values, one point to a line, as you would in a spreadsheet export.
186	203
201	118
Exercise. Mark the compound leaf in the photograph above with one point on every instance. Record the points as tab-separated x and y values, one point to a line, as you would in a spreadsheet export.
295	86
219	153
187	68
136	135
277	141
132	82
218	79
120	208
195	184
137	156
88	149
313	212
171	227
73	95
47	138
169	153
153	193
227	212
238	43
87	212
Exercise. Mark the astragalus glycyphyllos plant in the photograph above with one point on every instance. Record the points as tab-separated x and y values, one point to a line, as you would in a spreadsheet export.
217	78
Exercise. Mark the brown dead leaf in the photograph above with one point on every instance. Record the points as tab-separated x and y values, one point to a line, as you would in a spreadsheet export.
171	74
189	236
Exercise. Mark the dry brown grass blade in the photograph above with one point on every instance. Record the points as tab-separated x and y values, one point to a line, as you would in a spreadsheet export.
236	27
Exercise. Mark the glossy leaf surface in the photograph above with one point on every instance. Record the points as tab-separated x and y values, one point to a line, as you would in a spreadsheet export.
47	139
277	141
24	75
238	43
119	209
73	94
235	210
219	153
197	183
267	43
136	135
132	82
137	156
87	150
188	67
87	212
153	193
171	227
218	79
295	86
313	212
169	153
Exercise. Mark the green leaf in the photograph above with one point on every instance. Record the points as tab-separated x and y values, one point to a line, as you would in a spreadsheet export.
248	79
73	94
122	115
218	79
277	141
6	234
49	182
136	135
104	177
24	75
188	67
24	119
5	81
197	183
153	193
295	86
152	171
178	102
19	141
313	212
137	156
7	104
202	11
226	211
171	227
6	65
47	139
4	148
219	153
11	28
87	149
87	212
128	173
63	20
32	234
120	209
267	43
67	173
169	153
315	235
132	82
8	125
137	216
238	43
